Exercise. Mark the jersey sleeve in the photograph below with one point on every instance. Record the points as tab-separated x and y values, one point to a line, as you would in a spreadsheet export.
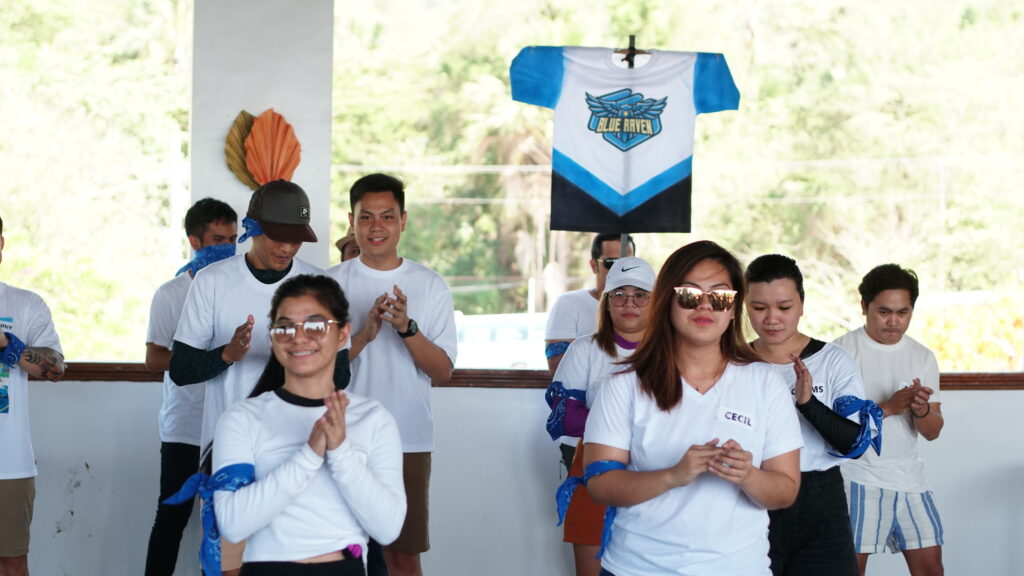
713	87
783	431
195	327
536	75
611	418
574	370
162	320
40	332
243	512
561	323
440	325
843	378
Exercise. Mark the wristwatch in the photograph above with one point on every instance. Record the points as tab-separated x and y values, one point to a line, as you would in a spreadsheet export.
411	330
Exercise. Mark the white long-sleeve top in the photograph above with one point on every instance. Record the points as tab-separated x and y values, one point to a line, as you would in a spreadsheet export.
300	504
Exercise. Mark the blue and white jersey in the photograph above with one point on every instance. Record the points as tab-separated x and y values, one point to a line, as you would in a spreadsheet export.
623	138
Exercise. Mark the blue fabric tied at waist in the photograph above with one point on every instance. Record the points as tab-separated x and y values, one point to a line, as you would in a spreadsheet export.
229	478
564	495
870	413
556	396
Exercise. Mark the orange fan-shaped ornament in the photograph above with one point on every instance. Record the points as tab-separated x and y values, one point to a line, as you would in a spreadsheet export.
272	152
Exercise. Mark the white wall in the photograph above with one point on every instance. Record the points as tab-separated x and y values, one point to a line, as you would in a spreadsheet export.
494	476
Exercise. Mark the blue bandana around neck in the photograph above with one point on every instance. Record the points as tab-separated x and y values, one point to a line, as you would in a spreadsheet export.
208	255
252	228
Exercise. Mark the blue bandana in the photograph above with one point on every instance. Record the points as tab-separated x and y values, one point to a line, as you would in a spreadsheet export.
208	255
229	478
252	228
870	414
13	350
564	495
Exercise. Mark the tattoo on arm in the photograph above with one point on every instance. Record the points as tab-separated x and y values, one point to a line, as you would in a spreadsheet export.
43	363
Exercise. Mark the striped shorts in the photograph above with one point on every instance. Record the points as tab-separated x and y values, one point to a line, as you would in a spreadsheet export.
899	521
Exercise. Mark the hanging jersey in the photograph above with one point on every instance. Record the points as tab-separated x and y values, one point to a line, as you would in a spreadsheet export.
623	138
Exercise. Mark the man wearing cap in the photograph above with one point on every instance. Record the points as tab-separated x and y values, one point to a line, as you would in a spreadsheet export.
212	230
217	340
404	340
574	313
29	346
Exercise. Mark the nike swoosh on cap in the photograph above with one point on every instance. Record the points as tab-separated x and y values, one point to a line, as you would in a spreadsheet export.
628	269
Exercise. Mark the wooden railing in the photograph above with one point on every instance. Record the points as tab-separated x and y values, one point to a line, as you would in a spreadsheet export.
120	372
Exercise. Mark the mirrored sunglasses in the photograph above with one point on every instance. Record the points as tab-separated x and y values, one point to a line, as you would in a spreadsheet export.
313	329
690	297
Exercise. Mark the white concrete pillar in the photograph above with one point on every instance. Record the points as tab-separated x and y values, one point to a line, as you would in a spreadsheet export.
253	55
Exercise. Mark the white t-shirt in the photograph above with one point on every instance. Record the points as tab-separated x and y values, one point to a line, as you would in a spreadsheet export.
220	299
25	315
384	369
834	374
886	369
573	314
586	366
708	526
181	415
303	505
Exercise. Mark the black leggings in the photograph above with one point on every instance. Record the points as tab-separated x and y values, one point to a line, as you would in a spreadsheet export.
346	567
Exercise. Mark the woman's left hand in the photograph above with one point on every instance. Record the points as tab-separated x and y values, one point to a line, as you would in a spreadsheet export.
734	464
333	421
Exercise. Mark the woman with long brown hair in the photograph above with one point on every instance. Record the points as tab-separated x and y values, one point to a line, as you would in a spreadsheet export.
698	439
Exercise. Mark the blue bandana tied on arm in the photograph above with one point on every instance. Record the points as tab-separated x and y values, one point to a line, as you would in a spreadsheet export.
870	434
229	478
564	495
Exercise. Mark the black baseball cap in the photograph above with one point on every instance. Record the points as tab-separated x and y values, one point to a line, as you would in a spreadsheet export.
282	209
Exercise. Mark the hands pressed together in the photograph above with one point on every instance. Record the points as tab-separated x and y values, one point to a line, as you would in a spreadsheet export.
728	461
913	398
329	430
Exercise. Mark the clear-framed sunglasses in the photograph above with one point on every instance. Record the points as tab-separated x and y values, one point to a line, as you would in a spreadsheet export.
313	329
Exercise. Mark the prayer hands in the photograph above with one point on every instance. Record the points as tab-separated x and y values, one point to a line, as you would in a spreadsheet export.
329	431
906	398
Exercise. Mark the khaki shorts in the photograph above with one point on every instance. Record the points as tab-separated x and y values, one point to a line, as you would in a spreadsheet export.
16	499
415	538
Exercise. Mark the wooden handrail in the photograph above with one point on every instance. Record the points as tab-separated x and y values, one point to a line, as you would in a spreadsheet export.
478	378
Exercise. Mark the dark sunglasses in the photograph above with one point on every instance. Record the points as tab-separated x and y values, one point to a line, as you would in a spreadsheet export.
689	298
608	262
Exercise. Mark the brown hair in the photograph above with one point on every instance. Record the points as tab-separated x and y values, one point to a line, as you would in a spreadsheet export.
654	359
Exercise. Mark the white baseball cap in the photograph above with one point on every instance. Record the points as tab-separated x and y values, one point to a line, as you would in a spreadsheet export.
630	271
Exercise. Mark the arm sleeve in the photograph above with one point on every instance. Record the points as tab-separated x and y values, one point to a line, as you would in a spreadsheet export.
250	508
713	87
536	75
840	432
371	482
191	365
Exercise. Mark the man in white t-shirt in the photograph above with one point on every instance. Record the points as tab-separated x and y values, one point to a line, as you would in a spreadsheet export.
574	314
29	346
891	504
404	340
212	230
222	337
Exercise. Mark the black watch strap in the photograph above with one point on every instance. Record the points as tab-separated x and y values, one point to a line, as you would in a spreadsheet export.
411	330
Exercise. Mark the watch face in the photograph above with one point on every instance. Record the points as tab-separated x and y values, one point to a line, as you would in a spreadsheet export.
411	330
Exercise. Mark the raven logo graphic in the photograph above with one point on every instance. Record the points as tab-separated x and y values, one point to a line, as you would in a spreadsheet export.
625	119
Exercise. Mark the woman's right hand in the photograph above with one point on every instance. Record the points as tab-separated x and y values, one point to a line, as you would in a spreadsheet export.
694	463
